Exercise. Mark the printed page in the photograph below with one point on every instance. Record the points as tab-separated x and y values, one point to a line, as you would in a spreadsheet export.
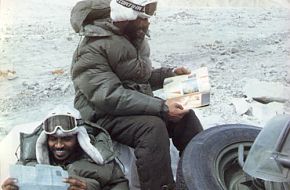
44	177
191	90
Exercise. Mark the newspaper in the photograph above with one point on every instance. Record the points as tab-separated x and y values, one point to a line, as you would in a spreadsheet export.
44	177
191	90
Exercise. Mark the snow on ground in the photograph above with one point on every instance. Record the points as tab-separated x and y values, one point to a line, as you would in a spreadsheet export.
235	43
237	40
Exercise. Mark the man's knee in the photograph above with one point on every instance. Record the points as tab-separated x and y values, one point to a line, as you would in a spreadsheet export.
155	128
154	135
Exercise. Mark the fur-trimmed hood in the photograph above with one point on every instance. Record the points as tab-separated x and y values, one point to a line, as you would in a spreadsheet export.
42	155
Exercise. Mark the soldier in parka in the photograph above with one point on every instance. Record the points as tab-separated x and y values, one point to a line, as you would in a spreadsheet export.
64	141
114	82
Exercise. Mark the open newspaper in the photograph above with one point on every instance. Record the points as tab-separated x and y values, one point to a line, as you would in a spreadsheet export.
191	90
40	177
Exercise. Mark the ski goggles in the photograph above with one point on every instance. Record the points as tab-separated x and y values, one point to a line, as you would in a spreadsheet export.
65	123
145	11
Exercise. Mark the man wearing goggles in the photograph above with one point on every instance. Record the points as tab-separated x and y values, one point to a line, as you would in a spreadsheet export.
134	26
145	11
65	142
114	82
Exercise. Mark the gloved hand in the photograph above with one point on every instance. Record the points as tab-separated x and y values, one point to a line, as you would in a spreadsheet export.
181	71
76	184
9	184
175	111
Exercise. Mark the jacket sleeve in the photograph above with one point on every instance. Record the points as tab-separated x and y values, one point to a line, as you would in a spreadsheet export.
92	74
158	75
81	171
99	176
92	184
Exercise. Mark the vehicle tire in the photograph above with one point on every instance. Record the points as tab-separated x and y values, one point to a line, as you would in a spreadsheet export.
210	160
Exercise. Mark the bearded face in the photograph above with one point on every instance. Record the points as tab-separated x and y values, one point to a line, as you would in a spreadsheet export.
137	29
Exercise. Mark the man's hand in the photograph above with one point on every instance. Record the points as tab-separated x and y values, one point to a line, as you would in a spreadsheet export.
181	71
76	184
176	111
9	184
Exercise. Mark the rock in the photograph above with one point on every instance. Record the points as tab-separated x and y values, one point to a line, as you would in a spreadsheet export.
45	92
250	50
288	78
234	50
282	73
251	25
30	87
272	72
219	86
55	88
217	41
276	41
25	83
264	112
212	58
267	74
219	64
241	105
227	86
224	52
266	92
5	114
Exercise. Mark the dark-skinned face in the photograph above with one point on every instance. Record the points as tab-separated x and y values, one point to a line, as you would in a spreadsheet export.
137	29
62	148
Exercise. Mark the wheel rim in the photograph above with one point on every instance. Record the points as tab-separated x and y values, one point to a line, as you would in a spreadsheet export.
228	171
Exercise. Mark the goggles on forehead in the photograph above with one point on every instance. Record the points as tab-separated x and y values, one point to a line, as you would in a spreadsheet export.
146	11
66	123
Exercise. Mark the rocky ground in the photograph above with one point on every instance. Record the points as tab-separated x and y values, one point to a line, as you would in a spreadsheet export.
236	44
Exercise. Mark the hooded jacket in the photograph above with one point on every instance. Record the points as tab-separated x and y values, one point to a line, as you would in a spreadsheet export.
111	75
97	176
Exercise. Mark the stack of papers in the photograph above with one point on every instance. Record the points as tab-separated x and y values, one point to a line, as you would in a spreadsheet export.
191	90
40	177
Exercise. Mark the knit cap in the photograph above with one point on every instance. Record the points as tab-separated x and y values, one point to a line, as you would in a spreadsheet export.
126	10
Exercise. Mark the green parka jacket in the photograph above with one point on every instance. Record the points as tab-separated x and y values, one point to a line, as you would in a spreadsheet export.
97	177
111	75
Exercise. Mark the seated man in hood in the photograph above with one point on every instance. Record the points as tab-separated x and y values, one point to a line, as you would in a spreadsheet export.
114	81
64	142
